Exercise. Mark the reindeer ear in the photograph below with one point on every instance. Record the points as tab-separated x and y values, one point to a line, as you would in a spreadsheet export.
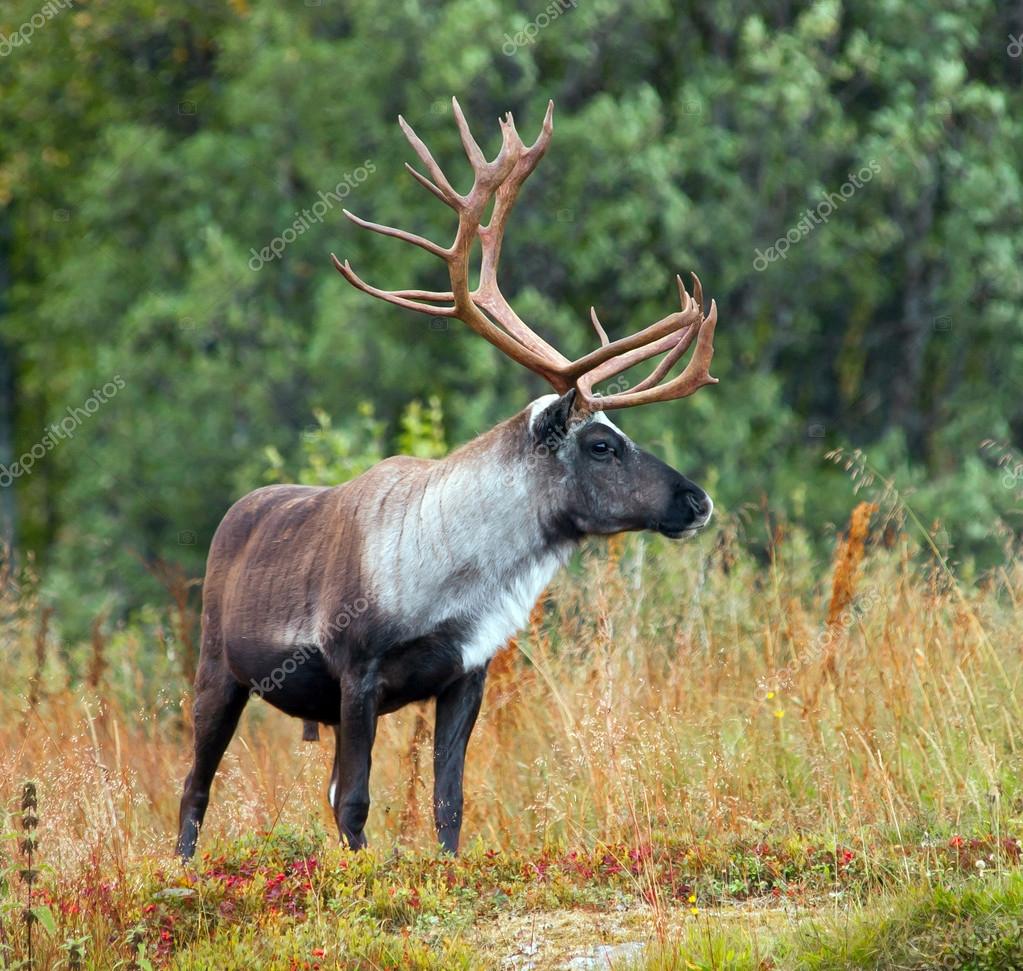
551	426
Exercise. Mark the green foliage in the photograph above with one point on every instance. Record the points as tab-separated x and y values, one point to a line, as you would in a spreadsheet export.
331	455
422	430
978	927
153	151
967	926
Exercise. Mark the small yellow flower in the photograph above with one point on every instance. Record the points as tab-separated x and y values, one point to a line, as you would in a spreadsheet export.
692	898
779	712
694	911
770	695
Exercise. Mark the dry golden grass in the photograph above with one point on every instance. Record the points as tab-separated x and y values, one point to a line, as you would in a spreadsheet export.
656	690
660	694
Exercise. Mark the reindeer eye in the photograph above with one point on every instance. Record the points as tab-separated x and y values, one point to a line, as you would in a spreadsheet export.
600	449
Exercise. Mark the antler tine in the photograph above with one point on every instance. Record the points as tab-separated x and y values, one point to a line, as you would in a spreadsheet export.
475	154
546	130
421	241
601	333
440	186
511	144
436	295
684	326
695	375
684	341
488	294
697	372
424	181
621	350
528	159
616	365
397	297
669	360
480	323
697	290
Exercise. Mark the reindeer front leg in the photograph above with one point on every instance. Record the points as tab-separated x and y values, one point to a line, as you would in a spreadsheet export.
457	708
355	735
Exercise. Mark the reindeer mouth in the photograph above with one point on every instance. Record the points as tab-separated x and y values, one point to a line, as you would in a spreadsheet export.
687	531
683	533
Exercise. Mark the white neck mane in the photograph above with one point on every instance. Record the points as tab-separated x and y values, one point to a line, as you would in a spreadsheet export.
467	545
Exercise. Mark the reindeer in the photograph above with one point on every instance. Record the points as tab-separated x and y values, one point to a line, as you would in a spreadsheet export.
339	605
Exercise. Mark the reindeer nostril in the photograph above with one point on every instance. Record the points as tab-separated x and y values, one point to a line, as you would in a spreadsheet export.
697	503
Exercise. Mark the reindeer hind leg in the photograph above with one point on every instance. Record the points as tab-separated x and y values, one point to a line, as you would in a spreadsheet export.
218	706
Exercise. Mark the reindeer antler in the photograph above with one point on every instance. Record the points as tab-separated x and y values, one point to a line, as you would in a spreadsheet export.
486	310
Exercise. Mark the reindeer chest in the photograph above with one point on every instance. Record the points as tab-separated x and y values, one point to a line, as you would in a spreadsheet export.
461	617
503	609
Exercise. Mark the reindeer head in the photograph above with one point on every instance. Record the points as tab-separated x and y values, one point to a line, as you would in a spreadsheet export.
598	480
593	480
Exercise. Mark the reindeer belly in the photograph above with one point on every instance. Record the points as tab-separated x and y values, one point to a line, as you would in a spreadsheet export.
420	668
294	679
